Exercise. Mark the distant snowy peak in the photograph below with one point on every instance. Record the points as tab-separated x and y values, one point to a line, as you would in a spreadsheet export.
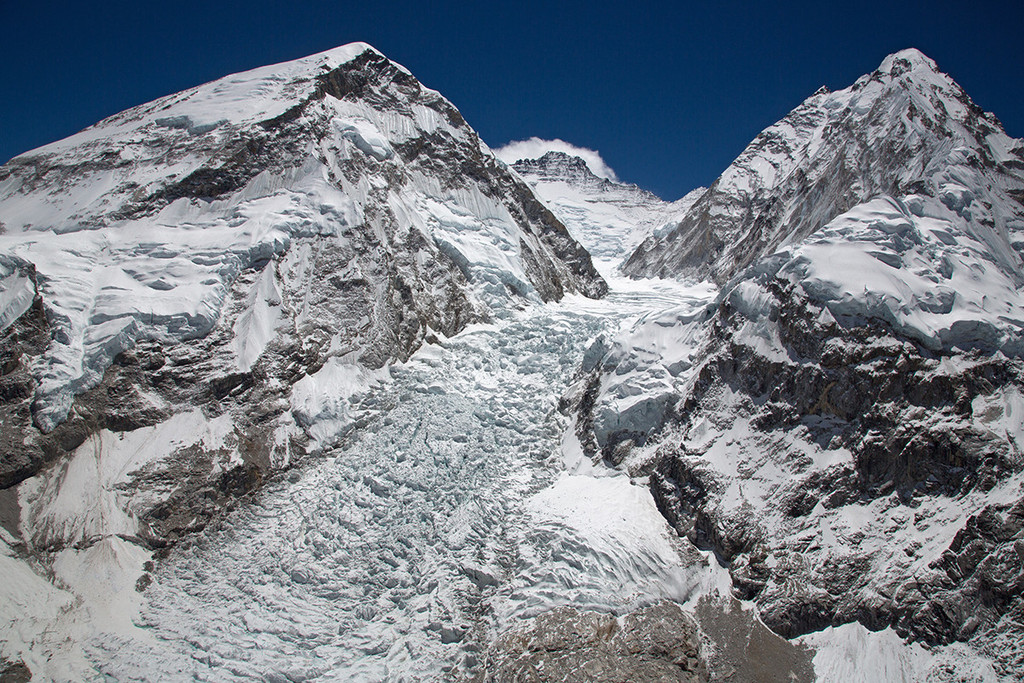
563	167
904	129
535	148
558	166
609	218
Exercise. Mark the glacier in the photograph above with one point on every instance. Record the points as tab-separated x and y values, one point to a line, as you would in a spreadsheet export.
301	381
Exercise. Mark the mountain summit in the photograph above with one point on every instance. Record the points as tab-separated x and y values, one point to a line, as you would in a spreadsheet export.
609	218
905	128
841	426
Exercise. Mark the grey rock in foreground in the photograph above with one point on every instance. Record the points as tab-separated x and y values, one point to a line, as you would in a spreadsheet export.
718	641
655	643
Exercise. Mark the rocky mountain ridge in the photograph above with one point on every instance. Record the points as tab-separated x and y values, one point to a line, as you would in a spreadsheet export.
904	128
609	218
329	167
841	427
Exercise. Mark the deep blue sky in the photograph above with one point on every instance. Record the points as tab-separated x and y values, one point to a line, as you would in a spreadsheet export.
668	93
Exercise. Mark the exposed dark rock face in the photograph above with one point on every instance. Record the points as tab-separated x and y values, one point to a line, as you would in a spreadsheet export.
14	673
855	432
27	337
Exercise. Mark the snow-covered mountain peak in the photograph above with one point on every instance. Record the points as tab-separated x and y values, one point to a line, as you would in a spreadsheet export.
930	89
902	77
139	226
907	59
825	427
556	165
257	94
535	148
903	129
609	218
342	53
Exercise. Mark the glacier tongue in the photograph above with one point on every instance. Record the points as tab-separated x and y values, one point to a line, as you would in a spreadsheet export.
402	553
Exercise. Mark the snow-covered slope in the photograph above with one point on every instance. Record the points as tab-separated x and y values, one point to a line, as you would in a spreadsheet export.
906	128
331	205
197	291
608	218
842	427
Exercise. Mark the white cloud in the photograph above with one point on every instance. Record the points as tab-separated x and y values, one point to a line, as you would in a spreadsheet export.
534	148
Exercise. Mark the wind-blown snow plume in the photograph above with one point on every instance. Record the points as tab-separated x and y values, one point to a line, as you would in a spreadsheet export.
535	148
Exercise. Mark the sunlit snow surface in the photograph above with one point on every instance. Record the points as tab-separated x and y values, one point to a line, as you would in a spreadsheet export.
852	654
402	553
464	506
121	255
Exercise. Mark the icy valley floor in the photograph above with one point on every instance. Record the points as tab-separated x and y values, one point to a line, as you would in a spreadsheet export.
459	508
400	554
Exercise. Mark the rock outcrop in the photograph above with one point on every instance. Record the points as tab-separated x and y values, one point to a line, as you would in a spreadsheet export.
842	427
655	643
